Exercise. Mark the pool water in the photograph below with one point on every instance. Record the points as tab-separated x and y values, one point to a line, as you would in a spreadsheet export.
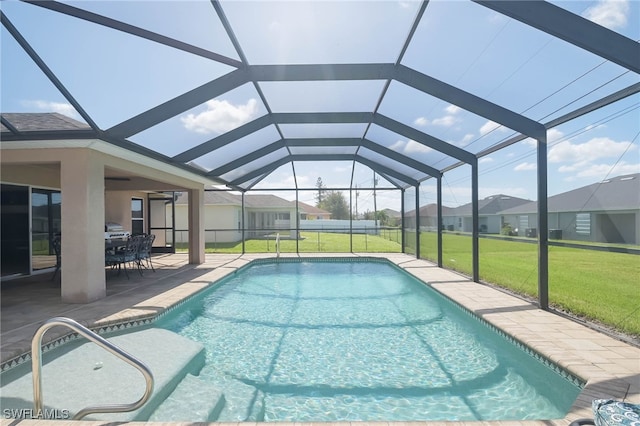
349	341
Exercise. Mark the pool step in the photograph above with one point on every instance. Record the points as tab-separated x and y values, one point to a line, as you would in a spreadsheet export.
243	402
193	400
78	375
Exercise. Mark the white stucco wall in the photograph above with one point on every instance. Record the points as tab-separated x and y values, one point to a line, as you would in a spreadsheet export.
220	223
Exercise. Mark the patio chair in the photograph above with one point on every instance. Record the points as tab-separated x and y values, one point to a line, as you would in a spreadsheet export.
129	254
609	412
144	252
56	243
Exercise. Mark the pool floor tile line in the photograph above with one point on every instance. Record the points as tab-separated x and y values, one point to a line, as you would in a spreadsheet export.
610	367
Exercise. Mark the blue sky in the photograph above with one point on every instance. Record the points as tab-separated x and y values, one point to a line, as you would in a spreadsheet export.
115	76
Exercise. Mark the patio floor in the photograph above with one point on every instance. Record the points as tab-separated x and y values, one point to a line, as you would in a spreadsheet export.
610	368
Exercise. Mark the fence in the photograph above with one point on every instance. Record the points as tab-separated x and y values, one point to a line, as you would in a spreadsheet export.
308	240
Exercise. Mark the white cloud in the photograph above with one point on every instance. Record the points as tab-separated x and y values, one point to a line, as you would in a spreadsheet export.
600	171
446	121
485	160
466	139
552	136
524	167
413	146
220	116
452	109
589	151
409	146
421	121
48	106
609	13
490	126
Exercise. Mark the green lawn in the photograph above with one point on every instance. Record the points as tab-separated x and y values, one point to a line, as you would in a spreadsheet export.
597	285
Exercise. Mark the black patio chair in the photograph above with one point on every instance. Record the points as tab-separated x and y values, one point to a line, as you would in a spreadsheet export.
129	254
144	252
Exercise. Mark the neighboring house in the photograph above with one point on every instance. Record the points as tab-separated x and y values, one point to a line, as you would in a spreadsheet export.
489	214
429	218
394	217
607	211
308	212
265	214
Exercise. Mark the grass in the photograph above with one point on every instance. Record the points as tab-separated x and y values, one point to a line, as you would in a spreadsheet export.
311	242
597	285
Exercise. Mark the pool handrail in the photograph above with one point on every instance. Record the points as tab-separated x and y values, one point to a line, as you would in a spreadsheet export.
36	366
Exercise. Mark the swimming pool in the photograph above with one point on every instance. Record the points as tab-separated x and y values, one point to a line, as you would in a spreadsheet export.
349	341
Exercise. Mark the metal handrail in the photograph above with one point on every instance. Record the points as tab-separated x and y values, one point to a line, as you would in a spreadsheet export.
36	365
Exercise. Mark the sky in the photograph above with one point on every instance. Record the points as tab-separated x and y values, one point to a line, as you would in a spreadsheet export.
116	76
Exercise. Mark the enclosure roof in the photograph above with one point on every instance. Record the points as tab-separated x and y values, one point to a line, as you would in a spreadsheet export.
237	90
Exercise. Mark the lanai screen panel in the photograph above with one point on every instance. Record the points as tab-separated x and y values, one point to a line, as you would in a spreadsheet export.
206	121
112	74
320	32
409	147
180	77
323	130
239	148
322	96
537	73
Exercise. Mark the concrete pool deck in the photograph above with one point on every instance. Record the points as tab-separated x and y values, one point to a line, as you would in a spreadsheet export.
610	367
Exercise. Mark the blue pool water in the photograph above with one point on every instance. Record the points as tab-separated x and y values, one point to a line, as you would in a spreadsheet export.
331	341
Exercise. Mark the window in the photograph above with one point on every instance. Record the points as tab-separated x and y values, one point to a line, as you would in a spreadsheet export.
137	218
583	223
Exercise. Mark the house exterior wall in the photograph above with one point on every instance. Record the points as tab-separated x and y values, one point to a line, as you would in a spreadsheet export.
79	173
220	223
604	227
34	175
117	205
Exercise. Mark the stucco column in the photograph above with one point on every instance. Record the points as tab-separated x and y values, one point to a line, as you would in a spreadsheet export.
196	226
82	184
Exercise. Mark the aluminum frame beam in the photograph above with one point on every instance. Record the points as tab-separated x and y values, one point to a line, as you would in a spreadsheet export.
571	28
321	142
179	104
224	139
323	157
133	30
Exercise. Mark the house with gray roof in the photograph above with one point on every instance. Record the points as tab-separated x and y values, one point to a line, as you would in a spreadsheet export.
606	211
429	217
265	214
489	214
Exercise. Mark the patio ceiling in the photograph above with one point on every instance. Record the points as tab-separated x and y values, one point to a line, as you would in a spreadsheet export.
199	85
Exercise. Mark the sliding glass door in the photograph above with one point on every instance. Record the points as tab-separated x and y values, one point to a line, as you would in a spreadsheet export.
45	225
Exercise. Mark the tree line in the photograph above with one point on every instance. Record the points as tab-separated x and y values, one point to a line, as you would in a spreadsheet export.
335	203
